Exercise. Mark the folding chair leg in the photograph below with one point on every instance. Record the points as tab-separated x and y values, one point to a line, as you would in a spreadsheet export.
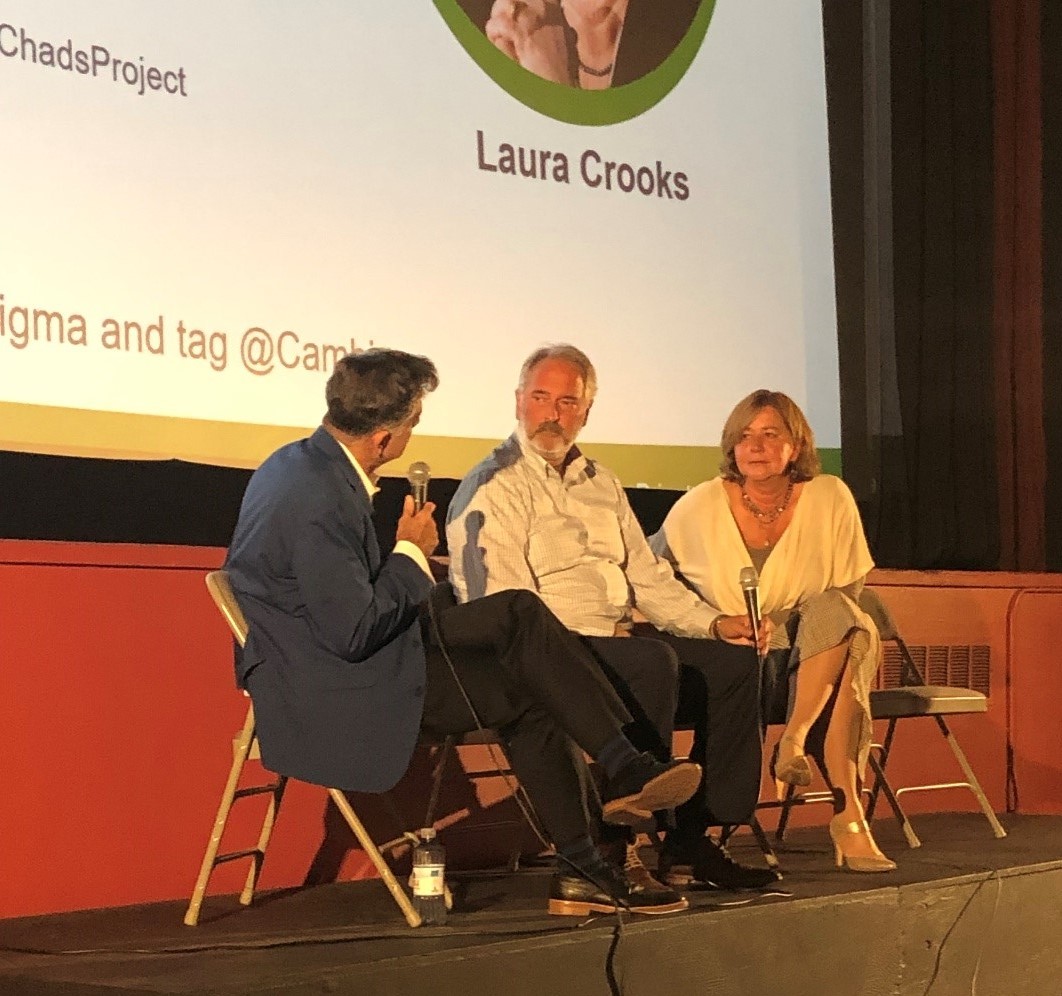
211	859
794	798
443	756
971	779
786	806
370	848
882	783
258	857
408	838
765	845
447	750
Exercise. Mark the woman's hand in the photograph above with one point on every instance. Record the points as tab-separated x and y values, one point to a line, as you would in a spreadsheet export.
736	629
532	33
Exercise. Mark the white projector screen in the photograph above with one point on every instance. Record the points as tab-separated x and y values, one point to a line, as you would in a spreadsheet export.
206	203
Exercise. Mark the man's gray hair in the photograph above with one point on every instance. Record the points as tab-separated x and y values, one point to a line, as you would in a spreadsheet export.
377	389
562	351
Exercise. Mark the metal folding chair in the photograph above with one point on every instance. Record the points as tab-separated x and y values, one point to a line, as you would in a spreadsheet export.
244	748
911	700
915	699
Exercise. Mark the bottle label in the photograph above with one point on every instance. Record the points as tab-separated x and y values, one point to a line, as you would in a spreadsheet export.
428	880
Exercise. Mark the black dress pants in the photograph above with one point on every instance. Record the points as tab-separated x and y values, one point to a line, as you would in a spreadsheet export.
534	682
645	674
717	696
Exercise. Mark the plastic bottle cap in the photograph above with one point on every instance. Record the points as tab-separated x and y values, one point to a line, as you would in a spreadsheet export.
427	833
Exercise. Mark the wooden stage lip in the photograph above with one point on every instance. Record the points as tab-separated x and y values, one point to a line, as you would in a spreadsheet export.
963	913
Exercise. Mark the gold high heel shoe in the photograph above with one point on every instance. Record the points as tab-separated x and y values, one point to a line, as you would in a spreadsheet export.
795	770
839	829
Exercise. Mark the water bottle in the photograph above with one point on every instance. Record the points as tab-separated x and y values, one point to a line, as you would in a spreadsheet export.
429	879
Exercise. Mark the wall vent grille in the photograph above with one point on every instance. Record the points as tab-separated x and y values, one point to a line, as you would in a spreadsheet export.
965	665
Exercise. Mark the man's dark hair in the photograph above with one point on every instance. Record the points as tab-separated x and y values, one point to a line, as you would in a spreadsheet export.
377	389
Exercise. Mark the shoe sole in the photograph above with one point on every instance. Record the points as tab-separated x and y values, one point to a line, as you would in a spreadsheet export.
680	880
570	907
666	791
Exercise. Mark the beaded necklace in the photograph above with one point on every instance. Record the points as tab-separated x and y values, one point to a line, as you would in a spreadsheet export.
767	515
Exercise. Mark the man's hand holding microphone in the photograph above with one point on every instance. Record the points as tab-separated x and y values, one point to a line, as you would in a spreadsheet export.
417	522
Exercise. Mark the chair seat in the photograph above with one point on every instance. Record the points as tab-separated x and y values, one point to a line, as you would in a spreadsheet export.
925	700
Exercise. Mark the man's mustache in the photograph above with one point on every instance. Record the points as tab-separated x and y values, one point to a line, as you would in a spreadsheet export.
549	426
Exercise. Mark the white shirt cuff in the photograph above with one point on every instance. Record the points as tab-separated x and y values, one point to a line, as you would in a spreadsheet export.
416	554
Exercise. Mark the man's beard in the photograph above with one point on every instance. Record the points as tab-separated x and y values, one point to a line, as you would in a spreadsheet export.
552	431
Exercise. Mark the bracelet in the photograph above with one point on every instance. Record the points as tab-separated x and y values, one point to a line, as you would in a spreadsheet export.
713	630
595	72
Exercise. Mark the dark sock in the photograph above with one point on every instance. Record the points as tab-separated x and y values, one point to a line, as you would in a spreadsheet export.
616	755
611	833
686	834
577	856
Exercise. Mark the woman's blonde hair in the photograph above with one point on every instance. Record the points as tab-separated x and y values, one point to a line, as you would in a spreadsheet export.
807	463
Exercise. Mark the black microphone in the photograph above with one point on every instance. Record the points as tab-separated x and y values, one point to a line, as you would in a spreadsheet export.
418	475
750	588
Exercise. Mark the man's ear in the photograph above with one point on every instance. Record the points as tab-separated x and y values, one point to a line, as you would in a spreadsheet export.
381	439
586	414
517	394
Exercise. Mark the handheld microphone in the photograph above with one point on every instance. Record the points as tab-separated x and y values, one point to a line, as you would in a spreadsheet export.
750	588
418	475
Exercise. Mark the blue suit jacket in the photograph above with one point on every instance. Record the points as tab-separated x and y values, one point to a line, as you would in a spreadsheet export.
334	660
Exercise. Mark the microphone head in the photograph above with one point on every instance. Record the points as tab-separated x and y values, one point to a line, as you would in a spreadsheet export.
748	579
418	473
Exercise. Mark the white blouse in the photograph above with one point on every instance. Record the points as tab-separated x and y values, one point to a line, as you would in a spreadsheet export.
822	547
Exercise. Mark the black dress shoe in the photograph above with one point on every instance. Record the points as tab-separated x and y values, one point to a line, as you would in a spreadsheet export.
705	863
606	889
646	785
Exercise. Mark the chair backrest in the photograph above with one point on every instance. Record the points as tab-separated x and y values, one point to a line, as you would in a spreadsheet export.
217	583
870	602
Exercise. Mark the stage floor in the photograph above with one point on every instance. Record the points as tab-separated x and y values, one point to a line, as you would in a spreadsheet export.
964	913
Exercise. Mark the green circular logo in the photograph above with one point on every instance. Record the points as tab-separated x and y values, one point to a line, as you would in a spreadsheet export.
538	51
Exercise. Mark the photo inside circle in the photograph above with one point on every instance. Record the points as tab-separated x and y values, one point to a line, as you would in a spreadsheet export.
591	62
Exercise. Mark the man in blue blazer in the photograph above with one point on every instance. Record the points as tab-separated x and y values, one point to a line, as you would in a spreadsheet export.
342	675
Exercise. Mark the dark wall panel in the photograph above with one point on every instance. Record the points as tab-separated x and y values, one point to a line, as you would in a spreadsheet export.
1051	41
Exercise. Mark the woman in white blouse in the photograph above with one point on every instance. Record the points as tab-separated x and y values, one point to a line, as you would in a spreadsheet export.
773	509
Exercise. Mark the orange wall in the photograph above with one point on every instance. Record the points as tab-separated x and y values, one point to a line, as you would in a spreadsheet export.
117	708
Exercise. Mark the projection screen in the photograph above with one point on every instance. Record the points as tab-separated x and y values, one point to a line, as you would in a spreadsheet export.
207	203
